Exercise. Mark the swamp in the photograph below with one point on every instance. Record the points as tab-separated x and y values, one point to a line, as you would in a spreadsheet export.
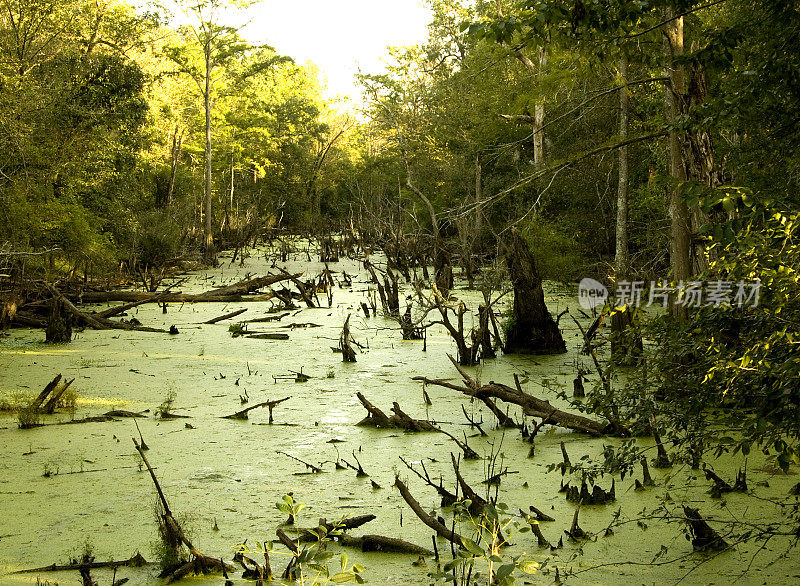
524	310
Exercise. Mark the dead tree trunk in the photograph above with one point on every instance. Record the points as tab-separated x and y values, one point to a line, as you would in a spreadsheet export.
531	406
200	563
483	334
348	353
704	537
467	354
429	520
532	330
59	324
626	342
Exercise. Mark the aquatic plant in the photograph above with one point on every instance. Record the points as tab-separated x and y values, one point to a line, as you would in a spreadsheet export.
28	417
309	563
493	527
164	410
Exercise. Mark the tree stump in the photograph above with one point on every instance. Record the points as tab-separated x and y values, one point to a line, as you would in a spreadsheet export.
59	324
532	329
626	341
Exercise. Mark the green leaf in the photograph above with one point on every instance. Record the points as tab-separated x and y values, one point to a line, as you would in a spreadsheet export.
471	546
528	566
729	204
504	572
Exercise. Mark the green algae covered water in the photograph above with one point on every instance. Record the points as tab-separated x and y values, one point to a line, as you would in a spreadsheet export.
63	486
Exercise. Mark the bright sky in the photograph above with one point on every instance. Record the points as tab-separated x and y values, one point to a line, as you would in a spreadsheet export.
338	35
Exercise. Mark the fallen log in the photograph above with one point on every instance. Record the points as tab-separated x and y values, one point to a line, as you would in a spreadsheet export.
226	316
123	413
326	527
101	323
381	543
375	416
531	406
246	286
28	319
135	561
153	298
200	563
402	420
268	318
503	419
434	524
268	336
241	291
131	296
314	469
301	287
269	404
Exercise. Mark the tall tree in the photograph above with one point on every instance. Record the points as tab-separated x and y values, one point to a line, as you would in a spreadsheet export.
219	45
621	256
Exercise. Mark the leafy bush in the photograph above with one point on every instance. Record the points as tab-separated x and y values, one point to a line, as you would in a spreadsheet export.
725	378
27	418
159	239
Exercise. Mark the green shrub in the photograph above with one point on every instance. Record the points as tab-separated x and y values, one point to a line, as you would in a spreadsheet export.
158	240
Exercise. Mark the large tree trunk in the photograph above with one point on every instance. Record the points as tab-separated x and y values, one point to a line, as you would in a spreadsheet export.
59	324
532	330
700	164
680	225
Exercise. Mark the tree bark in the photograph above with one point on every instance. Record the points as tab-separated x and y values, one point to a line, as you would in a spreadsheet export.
700	164
621	258
680	228
209	252
537	120
59	324
175	153
532	330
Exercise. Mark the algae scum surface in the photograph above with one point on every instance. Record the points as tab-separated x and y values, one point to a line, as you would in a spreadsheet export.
63	486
